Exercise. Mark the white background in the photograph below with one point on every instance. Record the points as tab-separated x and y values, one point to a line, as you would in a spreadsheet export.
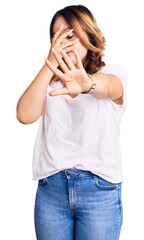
24	43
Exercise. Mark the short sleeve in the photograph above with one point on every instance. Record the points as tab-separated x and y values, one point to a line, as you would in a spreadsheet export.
120	72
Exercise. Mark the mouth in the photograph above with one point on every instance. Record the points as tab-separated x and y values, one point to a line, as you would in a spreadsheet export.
68	52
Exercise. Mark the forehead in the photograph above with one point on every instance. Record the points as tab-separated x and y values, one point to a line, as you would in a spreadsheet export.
58	22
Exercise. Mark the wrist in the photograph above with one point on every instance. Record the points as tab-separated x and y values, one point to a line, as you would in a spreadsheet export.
91	87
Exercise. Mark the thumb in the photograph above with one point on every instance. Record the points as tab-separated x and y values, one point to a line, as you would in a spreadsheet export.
59	91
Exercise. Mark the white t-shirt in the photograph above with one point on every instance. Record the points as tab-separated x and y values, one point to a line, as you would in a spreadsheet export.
81	132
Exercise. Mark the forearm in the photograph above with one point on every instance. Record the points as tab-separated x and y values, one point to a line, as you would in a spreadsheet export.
107	86
102	85
30	105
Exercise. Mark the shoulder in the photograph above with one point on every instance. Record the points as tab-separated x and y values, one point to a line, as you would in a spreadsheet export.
115	69
112	67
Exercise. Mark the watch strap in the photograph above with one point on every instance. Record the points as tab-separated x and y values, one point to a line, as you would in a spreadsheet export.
92	87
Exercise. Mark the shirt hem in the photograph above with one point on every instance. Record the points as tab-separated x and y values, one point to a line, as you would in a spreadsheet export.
109	179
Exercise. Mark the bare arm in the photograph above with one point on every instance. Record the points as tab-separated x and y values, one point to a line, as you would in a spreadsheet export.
108	86
30	105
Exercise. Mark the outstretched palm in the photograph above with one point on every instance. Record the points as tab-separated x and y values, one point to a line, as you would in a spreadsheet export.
74	78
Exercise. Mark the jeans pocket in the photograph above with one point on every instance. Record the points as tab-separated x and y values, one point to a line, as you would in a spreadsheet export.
104	184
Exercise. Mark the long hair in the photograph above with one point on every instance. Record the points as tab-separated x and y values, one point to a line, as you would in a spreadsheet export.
84	24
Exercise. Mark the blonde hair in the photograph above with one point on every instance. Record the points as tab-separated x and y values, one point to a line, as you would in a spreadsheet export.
85	27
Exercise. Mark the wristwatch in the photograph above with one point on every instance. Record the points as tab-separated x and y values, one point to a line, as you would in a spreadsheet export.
92	87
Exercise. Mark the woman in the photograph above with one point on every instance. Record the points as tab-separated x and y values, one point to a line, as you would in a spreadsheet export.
77	157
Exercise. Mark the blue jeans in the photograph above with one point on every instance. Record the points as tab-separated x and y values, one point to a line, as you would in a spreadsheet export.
77	205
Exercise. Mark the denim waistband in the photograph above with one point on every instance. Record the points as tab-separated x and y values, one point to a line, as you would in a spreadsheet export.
74	172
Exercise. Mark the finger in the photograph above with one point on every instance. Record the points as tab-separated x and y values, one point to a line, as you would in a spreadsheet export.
54	69
59	91
60	61
63	35
67	59
69	43
78	59
57	33
69	49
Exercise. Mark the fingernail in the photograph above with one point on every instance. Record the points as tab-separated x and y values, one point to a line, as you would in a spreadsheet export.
77	40
53	49
61	26
71	30
59	49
